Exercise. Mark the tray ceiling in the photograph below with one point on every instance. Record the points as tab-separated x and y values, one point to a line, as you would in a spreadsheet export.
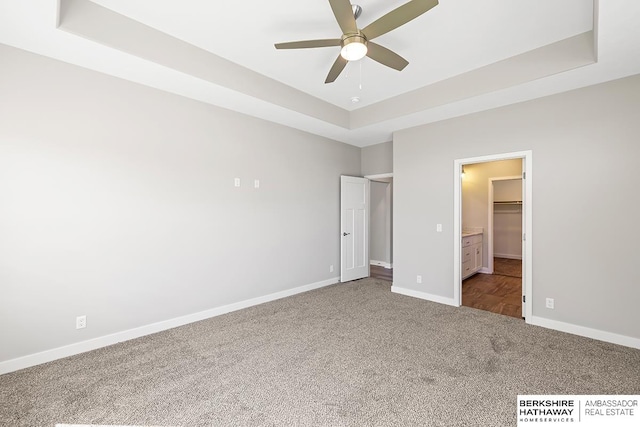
464	55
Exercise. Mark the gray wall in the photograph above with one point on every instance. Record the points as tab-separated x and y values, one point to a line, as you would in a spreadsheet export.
585	162
377	159
117	202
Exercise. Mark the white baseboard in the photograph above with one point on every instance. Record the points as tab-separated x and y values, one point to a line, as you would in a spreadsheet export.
508	256
585	332
106	340
423	295
381	263
485	270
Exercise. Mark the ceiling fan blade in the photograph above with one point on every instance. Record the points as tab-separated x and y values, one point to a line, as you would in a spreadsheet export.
336	69
344	15
398	17
308	44
386	57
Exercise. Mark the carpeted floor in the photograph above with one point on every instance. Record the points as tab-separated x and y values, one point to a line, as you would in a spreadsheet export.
346	355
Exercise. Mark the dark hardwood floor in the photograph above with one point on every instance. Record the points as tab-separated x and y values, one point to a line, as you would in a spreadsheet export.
494	292
507	267
379	272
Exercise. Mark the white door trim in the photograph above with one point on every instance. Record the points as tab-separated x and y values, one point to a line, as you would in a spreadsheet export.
527	230
385	178
382	177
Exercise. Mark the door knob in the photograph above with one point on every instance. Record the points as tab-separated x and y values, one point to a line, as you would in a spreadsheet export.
345	234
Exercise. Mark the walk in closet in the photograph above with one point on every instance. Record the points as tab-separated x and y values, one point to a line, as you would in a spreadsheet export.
507	218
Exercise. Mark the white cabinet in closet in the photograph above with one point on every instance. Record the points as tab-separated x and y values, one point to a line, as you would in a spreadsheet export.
471	254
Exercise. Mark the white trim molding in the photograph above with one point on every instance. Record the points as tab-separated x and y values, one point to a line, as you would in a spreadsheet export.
423	295
381	263
583	331
106	340
507	256
383	176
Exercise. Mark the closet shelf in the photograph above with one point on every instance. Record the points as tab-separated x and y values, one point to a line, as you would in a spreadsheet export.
508	207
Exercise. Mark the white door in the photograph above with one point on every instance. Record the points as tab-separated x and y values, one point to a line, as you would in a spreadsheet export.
354	225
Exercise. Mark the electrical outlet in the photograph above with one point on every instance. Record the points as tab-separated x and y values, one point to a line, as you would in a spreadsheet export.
236	182
439	228
550	303
256	183
81	322
418	279
331	268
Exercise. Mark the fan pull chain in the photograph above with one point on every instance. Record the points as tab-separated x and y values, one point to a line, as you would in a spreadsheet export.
360	74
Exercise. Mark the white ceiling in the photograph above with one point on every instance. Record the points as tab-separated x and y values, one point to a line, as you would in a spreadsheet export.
454	38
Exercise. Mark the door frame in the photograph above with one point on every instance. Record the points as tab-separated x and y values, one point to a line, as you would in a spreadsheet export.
381	177
491	218
527	210
385	178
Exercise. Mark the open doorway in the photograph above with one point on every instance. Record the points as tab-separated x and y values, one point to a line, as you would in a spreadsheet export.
492	237
505	225
381	226
475	277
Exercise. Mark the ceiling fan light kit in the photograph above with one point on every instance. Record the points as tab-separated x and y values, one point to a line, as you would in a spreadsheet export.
354	47
355	43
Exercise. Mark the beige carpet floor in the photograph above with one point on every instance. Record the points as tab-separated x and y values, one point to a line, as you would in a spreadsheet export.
346	355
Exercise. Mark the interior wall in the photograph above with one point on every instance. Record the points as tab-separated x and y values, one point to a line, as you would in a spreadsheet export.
118	203
475	195
584	152
507	190
377	159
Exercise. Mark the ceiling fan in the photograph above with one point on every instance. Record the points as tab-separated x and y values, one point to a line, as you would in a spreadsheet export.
357	43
